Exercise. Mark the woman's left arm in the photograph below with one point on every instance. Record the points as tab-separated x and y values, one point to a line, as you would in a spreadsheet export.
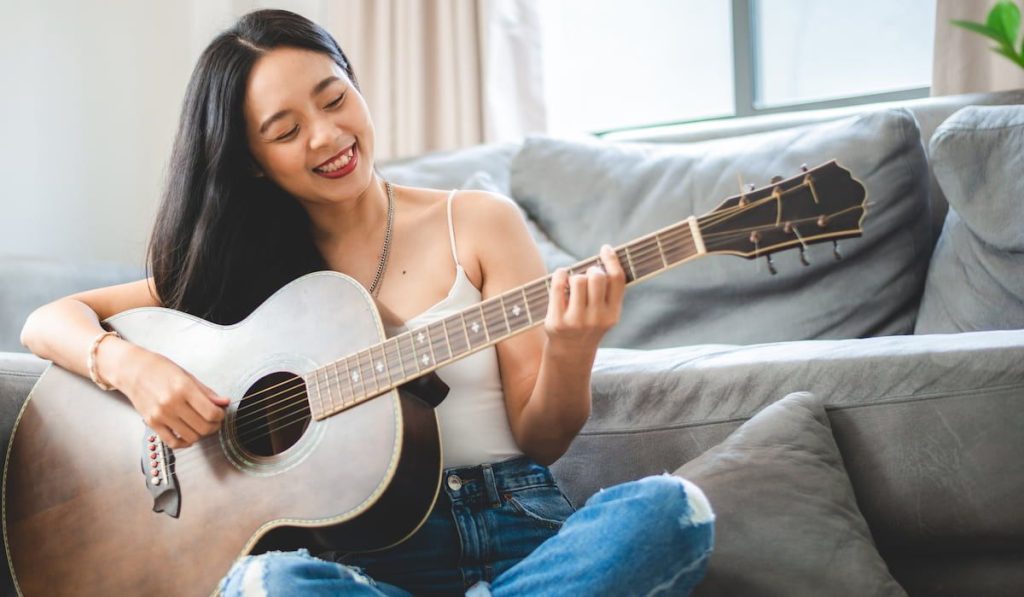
545	371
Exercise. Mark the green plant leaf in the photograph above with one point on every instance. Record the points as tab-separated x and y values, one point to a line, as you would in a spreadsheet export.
979	28
1009	53
1004	18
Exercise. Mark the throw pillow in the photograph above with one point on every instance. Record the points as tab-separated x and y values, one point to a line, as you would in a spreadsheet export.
974	280
588	193
787	522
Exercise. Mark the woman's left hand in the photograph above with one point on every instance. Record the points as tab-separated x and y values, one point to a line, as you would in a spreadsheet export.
582	307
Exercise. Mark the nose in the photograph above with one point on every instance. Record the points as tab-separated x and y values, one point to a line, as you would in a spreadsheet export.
323	132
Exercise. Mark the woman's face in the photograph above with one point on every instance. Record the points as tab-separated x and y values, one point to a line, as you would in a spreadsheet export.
304	118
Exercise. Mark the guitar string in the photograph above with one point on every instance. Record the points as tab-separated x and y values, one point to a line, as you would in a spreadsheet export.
287	403
642	256
358	354
638	256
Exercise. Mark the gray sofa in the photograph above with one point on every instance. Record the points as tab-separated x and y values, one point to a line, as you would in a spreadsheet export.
919	360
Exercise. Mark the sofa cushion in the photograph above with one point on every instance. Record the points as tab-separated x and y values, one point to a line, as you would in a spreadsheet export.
585	193
787	520
553	255
928	426
449	169
975	279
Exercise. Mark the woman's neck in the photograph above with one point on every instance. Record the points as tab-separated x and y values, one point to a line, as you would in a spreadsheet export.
354	222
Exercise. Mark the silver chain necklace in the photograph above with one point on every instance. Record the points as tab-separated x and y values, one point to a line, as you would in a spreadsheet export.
387	241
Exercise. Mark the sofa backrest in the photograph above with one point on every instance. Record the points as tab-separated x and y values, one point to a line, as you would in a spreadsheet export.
929	112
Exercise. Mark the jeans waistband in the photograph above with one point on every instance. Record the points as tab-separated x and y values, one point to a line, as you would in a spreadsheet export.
486	482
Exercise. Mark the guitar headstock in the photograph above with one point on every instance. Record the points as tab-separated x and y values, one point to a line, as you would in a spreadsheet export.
818	205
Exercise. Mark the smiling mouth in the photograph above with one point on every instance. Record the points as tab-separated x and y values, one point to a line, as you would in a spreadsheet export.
337	162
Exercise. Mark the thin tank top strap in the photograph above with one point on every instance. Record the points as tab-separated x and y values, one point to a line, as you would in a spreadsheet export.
451	228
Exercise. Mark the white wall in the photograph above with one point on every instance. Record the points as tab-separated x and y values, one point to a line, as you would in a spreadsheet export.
90	94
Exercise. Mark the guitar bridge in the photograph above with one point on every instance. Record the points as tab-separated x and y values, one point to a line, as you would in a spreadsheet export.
157	462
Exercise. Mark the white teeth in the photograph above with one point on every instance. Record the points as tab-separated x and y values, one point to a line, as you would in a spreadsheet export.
341	162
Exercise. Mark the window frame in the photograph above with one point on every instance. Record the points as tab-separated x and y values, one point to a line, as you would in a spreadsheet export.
746	75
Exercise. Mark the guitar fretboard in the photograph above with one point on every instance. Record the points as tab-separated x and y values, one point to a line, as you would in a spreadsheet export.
372	371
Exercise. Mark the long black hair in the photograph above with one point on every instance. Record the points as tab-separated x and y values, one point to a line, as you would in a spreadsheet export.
224	240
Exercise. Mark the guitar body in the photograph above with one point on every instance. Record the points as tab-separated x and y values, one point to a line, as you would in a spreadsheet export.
81	515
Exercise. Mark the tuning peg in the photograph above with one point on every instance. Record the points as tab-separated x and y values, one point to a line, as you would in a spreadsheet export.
804	168
803	257
750	186
835	250
771	266
776	179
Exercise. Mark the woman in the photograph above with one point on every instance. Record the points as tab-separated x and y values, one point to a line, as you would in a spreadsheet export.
272	177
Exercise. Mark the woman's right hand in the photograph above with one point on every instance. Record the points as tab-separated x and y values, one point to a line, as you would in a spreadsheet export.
172	402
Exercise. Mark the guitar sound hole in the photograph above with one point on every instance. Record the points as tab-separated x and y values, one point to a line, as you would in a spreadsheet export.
273	415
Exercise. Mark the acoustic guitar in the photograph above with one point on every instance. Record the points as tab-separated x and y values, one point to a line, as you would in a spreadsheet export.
330	439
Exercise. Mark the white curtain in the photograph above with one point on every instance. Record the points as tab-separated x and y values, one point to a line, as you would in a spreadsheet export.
443	74
963	62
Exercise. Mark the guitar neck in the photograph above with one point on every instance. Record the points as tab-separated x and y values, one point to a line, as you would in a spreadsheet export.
344	383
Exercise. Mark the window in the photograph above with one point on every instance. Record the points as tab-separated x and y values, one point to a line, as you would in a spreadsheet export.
812	50
612	66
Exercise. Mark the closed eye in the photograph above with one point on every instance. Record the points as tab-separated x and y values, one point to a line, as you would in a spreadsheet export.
288	134
336	101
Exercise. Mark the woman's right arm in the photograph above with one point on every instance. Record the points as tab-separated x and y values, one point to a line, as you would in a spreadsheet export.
173	403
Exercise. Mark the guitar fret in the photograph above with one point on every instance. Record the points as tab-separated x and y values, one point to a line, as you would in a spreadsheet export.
538	302
394	359
323	387
504	313
409	356
631	275
459	341
437	343
526	301
352	366
366	372
661	251
492	323
347	381
379	367
336	383
465	330
676	238
422	347
447	340
483	322
646	264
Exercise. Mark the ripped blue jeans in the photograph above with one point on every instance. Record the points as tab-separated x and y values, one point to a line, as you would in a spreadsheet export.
506	529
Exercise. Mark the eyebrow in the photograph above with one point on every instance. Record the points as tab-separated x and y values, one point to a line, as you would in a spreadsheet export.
282	113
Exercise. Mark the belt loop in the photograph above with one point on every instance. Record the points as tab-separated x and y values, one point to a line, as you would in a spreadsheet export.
489	484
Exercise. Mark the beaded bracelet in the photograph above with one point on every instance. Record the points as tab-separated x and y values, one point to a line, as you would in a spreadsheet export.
91	361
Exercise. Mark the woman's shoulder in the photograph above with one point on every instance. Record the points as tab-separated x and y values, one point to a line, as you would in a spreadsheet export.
475	212
489	227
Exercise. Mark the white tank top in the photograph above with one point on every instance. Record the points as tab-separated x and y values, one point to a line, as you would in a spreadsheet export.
474	423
